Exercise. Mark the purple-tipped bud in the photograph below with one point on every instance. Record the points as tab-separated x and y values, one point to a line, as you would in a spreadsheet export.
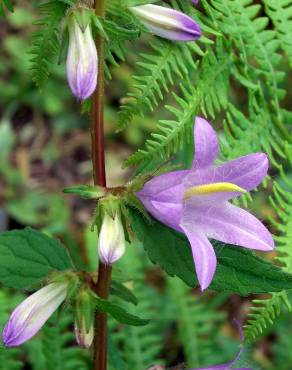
84	330
111	242
82	60
28	318
167	23
195	2
84	337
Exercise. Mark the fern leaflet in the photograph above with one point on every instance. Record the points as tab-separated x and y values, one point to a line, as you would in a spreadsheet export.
46	40
208	94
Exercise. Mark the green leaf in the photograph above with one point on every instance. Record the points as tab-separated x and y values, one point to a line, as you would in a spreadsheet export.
27	256
6	4
86	191
123	292
118	312
238	270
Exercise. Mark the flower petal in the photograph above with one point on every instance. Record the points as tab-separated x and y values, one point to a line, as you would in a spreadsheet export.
166	212
246	172
206	144
229	224
202	250
167	23
166	187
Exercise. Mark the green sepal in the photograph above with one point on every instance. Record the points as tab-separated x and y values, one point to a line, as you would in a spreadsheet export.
83	16
71	278
110	205
86	191
84	308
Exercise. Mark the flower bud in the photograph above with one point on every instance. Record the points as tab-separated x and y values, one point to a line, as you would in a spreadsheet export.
167	23
111	242
84	328
82	60
28	318
84	336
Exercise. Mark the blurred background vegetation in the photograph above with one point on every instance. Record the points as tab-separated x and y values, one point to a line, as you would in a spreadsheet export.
44	147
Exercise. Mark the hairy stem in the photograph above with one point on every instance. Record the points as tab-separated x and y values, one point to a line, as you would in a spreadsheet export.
100	337
97	132
98	161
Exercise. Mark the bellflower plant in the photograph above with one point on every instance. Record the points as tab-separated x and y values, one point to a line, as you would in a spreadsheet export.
196	201
167	23
235	70
28	318
82	59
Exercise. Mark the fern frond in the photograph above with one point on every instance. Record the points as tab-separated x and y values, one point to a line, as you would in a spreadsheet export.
46	40
241	133
265	311
258	49
263	314
120	27
141	346
207	93
54	347
158	71
282	203
279	12
197	323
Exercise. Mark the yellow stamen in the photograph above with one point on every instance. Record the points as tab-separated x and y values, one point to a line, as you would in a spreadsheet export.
216	187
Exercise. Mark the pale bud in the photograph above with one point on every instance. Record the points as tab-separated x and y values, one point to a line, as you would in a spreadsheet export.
84	320
28	318
83	336
111	242
82	60
167	23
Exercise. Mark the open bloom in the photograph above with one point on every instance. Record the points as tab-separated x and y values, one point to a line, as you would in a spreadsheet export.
167	23
196	201
81	60
28	318
111	242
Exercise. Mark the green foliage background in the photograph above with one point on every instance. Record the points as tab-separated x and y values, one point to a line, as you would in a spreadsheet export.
238	76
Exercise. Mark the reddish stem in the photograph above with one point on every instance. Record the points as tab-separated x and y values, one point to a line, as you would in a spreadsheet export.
98	160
